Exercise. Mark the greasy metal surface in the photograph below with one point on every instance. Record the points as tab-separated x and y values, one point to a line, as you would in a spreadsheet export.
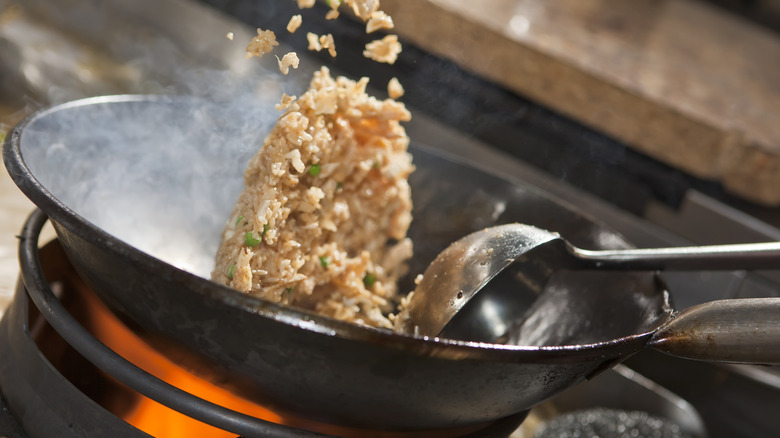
470	263
464	268
126	242
739	330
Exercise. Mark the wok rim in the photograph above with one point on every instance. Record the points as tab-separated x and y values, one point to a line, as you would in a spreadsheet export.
445	348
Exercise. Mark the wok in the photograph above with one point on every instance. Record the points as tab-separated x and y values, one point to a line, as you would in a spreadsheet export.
138	189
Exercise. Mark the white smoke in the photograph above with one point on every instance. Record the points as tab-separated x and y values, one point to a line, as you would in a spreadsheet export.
160	174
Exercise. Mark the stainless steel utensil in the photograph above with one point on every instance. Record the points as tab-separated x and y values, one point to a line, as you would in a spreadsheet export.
728	330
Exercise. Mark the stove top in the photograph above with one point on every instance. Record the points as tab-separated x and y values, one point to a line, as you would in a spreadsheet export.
649	203
64	376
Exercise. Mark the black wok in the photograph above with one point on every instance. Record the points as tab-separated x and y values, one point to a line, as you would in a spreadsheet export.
138	189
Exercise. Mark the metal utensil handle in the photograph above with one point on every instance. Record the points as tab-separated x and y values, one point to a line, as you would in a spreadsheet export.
749	256
738	331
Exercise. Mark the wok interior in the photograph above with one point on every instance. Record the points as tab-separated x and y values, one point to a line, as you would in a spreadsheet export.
162	175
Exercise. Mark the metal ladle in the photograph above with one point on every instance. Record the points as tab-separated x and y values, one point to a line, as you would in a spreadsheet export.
465	267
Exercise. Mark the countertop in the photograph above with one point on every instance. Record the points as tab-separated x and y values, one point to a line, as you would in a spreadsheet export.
679	80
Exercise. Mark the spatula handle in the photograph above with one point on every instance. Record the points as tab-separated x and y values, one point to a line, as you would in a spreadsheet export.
747	256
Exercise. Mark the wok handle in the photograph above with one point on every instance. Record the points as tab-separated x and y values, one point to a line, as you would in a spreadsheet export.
737	331
744	256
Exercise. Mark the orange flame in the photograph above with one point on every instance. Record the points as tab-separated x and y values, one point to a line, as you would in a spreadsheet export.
160	421
150	416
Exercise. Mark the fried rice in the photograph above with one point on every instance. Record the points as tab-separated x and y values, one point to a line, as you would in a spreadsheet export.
322	222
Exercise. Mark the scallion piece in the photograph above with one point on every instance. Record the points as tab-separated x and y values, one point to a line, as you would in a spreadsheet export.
314	169
266	227
369	279
324	261
250	240
230	271
240	218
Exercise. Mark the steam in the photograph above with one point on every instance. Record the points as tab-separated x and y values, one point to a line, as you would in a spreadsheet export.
161	173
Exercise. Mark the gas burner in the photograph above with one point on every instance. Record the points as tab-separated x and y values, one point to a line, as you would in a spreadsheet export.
70	369
73	369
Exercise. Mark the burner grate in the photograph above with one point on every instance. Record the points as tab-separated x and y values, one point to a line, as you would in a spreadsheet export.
39	401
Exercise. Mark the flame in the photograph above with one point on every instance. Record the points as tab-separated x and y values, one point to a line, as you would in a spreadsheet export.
149	416
160	421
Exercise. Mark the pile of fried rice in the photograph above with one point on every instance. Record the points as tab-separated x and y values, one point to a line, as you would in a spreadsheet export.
323	218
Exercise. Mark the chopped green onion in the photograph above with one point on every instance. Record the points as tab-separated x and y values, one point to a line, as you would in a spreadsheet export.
266	227
230	271
330	5
250	240
324	261
369	279
339	185
240	218
289	289
314	169
375	165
